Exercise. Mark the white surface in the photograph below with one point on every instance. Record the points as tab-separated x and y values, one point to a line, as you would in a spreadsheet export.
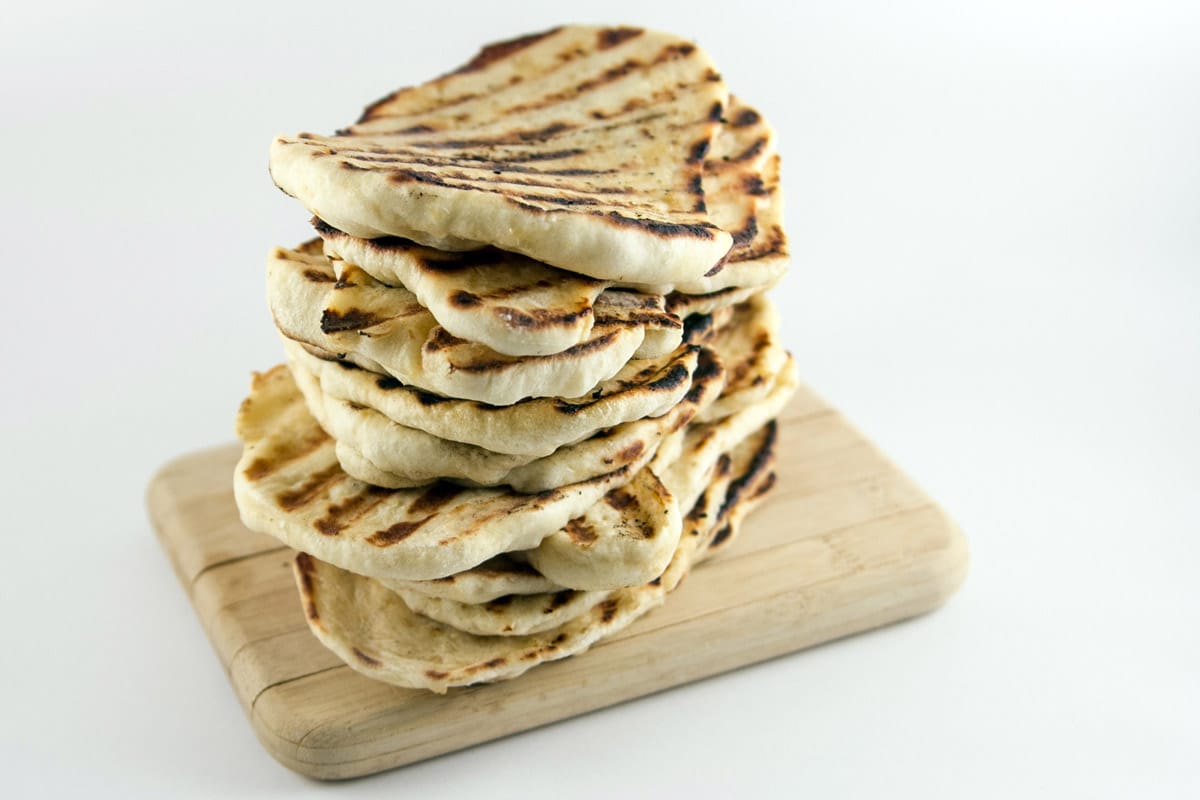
995	211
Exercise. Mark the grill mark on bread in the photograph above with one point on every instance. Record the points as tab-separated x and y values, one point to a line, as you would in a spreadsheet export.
353	319
697	327
611	37
363	658
435	497
304	571
621	500
513	165
608	610
746	118
752	151
558	600
498	661
441	339
316	276
580	532
487	56
304	494
397	532
724	533
696	230
296	449
340	515
499	51
758	465
708	368
766	486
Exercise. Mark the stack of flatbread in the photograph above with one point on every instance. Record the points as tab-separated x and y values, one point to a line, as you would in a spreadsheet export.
531	371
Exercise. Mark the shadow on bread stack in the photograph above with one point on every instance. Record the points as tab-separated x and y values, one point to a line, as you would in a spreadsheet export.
531	370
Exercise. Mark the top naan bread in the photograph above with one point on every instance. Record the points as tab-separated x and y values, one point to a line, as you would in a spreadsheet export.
518	306
581	147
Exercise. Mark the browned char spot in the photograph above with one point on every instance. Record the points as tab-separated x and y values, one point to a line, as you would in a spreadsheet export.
352	320
465	299
580	532
500	603
370	661
436	496
559	600
317	276
620	499
436	675
305	492
396	533
339	515
745	119
695	230
766	486
724	533
760	463
611	37
497	51
753	185
631	451
304	570
608	610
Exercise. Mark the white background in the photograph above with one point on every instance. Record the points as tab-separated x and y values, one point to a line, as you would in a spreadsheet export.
995	215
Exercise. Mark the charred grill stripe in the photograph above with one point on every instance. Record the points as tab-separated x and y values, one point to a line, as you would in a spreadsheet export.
304	571
487	56
351	320
493	166
758	465
611	37
306	492
396	533
696	230
441	340
746	118
536	135
675	376
296	449
608	610
724	533
498	51
339	516
435	497
370	661
526	200
752	151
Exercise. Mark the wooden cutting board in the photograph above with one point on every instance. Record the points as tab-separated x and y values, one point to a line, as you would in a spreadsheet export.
845	543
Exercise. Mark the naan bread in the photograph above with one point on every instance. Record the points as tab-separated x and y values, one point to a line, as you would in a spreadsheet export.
403	457
289	484
410	346
371	628
534	427
581	147
360	305
518	306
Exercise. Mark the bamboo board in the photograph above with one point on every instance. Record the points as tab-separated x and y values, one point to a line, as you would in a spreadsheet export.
845	543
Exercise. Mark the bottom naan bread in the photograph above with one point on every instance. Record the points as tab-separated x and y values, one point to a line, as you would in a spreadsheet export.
372	629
